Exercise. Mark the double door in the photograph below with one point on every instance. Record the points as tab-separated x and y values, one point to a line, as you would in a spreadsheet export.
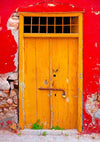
51	81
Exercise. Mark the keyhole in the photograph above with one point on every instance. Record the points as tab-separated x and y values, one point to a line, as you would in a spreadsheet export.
55	94
54	75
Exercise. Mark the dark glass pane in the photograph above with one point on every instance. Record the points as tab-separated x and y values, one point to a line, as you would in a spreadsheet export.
66	29
66	20
27	20
50	20
74	29
74	20
50	29
58	29
27	29
58	20
42	20
42	29
34	29
35	20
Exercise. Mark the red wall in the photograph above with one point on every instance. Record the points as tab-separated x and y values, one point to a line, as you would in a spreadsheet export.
91	51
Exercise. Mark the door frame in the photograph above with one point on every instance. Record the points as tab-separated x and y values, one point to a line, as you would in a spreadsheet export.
79	35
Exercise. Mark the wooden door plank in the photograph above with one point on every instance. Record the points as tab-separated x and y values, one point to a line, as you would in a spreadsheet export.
29	82
21	74
42	69
59	75
73	81
80	72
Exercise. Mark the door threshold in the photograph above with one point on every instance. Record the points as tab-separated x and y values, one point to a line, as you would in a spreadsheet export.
49	132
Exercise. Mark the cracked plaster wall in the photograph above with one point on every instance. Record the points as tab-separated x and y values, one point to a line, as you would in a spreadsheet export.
9	83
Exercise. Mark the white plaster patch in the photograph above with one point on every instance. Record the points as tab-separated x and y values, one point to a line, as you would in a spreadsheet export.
16	60
92	106
30	5
4	85
97	114
95	12
98	64
13	21
51	4
0	28
13	76
96	45
72	5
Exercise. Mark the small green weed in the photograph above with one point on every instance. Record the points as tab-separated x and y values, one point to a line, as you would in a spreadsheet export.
57	128
44	133
78	137
66	135
37	125
19	134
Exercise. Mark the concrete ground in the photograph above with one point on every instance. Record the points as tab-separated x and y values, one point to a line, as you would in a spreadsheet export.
47	136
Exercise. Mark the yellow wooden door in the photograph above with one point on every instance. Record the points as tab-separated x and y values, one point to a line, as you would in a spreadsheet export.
50	66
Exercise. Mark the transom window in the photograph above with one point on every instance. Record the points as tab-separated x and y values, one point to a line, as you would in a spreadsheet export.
51	24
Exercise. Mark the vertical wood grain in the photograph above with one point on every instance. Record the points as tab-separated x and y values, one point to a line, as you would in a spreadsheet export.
73	81
42	68
59	75
21	73
30	82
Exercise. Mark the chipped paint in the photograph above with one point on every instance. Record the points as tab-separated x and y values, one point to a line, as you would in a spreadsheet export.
45	82
72	5
93	106
67	80
22	86
67	99
81	76
50	4
96	12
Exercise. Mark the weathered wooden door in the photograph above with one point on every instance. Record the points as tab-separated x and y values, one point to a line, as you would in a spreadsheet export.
50	69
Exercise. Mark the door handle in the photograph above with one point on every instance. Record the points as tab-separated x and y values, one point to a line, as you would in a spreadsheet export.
53	89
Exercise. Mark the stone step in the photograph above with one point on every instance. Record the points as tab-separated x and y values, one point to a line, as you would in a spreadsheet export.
49	132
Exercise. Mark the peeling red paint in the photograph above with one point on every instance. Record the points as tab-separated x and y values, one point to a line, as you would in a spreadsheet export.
51	7
91	45
8	48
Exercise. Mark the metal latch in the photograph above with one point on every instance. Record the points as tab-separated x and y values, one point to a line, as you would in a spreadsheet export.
53	89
